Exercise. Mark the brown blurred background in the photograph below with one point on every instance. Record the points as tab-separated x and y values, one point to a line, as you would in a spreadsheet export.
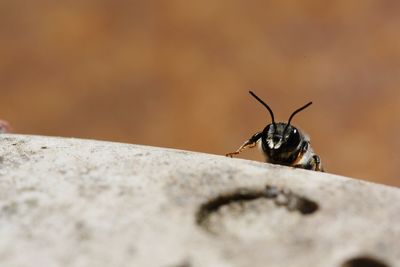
176	74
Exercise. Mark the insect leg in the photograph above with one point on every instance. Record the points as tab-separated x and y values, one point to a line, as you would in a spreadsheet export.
318	164
248	144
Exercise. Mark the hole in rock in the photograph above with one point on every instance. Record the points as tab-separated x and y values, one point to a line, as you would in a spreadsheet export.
364	262
280	197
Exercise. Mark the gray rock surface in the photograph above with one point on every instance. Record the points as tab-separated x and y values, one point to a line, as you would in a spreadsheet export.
71	202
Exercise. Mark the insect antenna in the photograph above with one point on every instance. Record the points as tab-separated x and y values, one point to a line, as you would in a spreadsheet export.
265	105
294	113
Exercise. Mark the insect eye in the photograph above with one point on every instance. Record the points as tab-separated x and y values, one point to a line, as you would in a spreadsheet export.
293	139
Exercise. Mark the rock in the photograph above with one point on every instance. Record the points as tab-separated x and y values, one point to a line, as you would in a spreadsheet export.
71	202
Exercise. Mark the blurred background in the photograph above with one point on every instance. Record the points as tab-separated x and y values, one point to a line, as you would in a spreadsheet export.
177	73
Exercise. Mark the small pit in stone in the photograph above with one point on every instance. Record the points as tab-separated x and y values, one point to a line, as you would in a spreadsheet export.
183	264
364	262
253	207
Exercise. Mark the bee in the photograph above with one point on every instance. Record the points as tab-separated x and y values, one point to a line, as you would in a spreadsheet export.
5	127
282	143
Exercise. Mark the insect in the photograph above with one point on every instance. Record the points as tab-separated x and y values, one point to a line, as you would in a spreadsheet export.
5	127
282	143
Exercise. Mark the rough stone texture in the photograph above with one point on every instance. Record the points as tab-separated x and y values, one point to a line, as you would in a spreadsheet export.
71	202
